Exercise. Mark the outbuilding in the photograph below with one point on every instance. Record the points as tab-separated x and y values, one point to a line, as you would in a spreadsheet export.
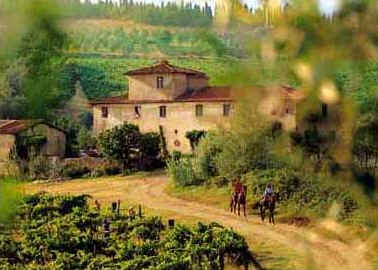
20	136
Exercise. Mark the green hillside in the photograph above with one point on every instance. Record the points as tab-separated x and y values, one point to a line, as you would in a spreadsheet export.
101	76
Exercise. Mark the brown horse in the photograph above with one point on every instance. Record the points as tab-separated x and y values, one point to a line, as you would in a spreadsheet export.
269	203
238	199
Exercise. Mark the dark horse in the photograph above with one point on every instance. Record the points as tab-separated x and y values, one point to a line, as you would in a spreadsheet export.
268	203
237	199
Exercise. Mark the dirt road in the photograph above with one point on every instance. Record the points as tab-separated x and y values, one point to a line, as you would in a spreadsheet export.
302	247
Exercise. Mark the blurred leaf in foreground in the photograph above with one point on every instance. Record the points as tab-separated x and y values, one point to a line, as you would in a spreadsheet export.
9	199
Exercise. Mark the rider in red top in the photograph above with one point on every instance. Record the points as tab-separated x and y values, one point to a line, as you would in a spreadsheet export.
237	186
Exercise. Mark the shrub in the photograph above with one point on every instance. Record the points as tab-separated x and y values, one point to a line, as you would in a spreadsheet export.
39	167
305	192
206	153
85	139
182	172
242	154
176	155
75	171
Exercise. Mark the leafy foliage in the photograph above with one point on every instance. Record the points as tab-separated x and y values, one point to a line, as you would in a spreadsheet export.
63	232
183	172
365	147
194	137
85	139
303	192
130	147
39	54
72	128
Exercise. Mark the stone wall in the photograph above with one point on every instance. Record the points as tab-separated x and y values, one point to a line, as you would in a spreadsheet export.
6	145
180	118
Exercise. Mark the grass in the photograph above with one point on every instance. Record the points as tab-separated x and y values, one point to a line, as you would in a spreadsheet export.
206	194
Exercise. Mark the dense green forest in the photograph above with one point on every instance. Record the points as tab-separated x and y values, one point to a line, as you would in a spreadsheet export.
166	14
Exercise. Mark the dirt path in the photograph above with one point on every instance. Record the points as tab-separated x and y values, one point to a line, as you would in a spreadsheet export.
307	247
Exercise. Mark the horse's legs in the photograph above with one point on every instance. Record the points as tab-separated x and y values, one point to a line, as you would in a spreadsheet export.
238	208
262	214
231	204
272	214
244	209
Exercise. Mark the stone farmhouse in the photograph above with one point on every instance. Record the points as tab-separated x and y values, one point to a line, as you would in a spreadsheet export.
180	100
48	140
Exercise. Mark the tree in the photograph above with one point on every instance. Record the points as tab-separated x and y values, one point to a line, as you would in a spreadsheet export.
365	145
85	139
194	137
149	151
38	52
127	145
121	143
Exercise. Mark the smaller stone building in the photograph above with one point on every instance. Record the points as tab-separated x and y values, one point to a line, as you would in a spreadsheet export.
48	140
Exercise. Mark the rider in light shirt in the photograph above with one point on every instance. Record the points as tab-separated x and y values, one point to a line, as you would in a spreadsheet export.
268	190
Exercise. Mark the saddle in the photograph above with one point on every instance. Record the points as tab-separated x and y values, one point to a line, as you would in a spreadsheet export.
268	198
240	192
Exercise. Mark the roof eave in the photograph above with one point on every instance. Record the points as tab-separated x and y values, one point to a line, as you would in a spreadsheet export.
163	101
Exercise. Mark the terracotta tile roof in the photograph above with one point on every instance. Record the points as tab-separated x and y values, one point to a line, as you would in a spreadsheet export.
14	127
165	68
111	100
208	94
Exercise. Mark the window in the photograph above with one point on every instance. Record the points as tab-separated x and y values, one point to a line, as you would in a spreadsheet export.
137	110
104	112
163	111
160	82
226	109
324	110
199	110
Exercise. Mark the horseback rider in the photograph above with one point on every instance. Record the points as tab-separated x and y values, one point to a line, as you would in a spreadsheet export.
269	192
237	186
238	196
